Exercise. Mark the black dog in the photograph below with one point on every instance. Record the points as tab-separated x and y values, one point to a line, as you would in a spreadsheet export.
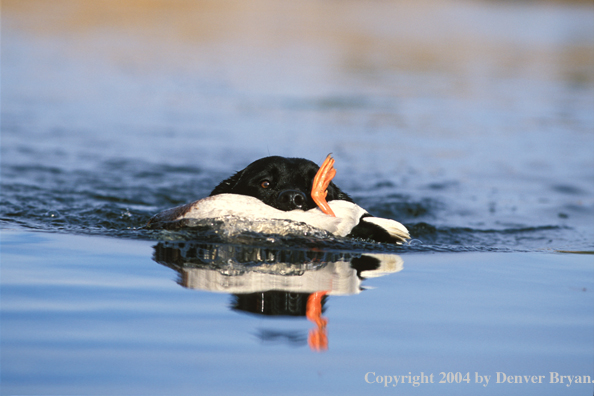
295	186
283	183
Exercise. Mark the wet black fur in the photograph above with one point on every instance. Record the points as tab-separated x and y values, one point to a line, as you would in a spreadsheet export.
282	174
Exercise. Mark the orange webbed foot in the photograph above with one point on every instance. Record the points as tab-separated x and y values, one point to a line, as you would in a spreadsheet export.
321	181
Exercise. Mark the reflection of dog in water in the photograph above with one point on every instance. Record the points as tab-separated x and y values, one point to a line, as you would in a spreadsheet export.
280	303
261	284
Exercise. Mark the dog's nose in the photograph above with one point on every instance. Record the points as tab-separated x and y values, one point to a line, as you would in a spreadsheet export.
291	199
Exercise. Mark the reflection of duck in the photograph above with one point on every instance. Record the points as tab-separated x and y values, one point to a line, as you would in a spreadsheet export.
248	269
289	189
275	282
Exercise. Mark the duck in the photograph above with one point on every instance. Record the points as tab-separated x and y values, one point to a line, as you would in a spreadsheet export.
278	190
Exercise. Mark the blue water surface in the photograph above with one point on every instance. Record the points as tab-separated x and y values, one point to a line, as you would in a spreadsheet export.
89	315
469	122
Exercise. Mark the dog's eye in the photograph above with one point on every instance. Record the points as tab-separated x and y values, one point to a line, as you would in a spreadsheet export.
265	184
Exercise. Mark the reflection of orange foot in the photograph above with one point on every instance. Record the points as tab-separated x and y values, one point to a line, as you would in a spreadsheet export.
318	339
320	185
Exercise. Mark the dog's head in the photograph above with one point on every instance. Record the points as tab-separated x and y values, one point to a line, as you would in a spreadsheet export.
283	183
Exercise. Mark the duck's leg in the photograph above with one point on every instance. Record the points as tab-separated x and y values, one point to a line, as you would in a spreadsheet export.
320	185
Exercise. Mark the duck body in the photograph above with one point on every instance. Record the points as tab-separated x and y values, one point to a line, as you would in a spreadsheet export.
278	188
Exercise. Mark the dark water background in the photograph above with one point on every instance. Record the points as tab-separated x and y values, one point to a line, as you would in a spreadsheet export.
472	123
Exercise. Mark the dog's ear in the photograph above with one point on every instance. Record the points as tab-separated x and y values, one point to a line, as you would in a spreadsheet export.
226	186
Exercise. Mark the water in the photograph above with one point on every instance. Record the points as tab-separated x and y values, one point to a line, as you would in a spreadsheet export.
479	139
94	315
